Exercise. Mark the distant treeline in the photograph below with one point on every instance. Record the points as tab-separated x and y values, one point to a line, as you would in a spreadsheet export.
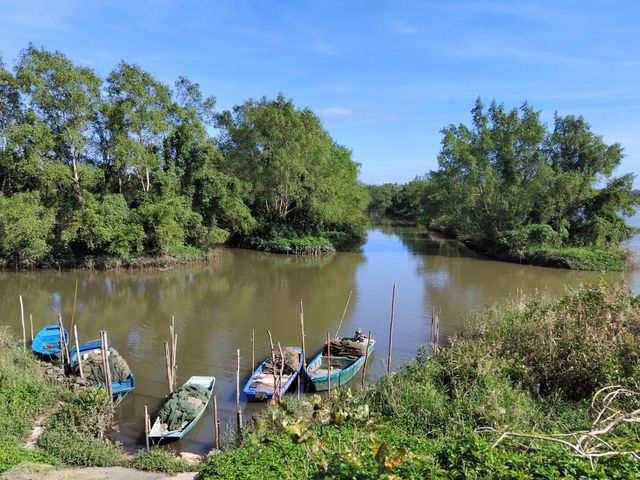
512	188
125	166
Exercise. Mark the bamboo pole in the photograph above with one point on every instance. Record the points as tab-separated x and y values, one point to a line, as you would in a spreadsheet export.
238	409
329	364
105	363
216	421
344	313
167	357
304	350
75	298
393	313
273	362
253	348
146	427
24	334
75	335
31	325
366	357
64	348
279	388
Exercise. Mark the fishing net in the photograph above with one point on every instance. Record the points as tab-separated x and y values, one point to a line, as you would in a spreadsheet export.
291	362
349	347
182	407
94	373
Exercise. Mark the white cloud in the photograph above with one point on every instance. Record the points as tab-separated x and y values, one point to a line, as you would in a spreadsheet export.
402	28
335	112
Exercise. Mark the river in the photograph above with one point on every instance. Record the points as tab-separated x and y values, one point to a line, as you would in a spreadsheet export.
216	306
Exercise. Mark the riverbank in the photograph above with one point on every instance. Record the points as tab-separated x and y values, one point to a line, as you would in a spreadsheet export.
45	419
511	398
572	258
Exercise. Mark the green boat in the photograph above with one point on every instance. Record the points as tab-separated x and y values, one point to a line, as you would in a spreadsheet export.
343	367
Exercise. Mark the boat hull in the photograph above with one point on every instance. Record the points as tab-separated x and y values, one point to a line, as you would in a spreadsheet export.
47	341
261	394
338	377
157	434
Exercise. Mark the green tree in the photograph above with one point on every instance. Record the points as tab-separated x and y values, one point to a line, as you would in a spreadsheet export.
137	118
298	178
508	181
25	229
64	96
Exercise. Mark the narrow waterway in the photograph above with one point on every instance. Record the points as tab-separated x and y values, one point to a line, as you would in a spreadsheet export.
218	304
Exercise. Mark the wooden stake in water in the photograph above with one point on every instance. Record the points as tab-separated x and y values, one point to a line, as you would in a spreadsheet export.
31	325
238	409
329	364
146	427
167	358
304	350
107	369
393	313
24	333
344	313
366	357
216	421
78	356
273	362
253	348
75	299
64	348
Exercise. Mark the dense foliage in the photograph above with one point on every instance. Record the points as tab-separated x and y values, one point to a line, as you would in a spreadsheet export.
531	368
398	201
125	166
508	184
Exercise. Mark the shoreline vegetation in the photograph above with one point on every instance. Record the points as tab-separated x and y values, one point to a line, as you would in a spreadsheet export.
530	389
513	189
123	170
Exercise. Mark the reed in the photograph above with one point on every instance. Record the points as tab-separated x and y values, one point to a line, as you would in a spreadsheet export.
238	408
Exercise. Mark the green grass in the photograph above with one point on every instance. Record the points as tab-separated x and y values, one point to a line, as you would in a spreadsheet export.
581	258
528	367
78	434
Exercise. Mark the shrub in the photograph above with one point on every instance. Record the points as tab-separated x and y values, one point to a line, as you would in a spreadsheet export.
11	455
25	228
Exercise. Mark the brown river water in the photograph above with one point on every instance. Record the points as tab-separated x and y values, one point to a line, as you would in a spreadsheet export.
216	306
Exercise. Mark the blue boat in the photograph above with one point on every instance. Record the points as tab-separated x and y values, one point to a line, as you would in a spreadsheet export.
261	385
47	341
119	388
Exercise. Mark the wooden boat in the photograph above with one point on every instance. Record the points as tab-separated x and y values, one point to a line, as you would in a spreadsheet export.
156	430
260	386
343	369
119	388
47	341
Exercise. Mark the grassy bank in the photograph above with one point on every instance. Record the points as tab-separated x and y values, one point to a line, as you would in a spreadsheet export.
530	368
77	423
612	259
186	256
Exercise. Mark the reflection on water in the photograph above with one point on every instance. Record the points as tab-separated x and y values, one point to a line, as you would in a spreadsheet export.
218	304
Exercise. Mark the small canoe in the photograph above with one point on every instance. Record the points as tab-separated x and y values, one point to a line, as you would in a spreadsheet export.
119	388
343	369
158	432
47	341
260	386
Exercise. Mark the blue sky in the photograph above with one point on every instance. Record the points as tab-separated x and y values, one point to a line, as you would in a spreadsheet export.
385	77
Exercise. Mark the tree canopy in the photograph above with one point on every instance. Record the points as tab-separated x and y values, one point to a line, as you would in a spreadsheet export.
127	166
510	182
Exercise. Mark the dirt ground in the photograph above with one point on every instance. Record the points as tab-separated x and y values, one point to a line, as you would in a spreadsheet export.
32	471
